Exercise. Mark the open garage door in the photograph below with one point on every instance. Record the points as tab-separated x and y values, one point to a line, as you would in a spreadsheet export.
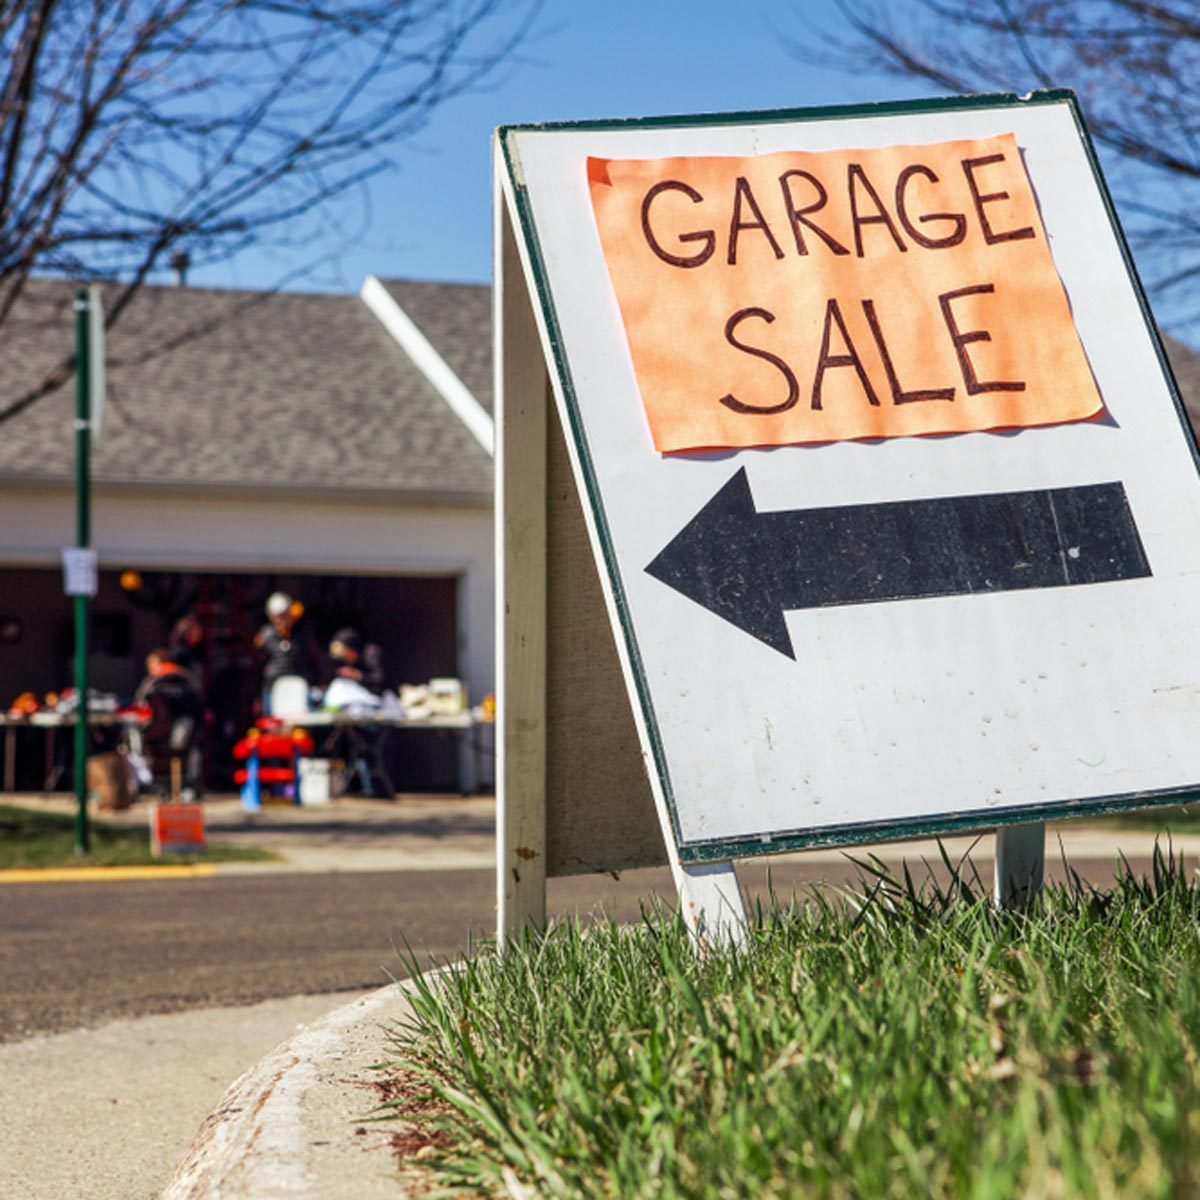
413	620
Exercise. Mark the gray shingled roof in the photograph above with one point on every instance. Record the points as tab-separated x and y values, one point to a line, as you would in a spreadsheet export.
457	319
289	390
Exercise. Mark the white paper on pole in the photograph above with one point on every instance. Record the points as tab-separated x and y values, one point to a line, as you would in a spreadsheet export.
96	382
80	573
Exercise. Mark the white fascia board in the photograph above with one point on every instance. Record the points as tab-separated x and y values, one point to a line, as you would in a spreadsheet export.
431	364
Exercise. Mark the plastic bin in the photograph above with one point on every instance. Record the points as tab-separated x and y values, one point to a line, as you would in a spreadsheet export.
315	780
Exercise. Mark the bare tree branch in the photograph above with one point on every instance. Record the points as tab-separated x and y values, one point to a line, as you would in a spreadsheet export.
130	129
1134	63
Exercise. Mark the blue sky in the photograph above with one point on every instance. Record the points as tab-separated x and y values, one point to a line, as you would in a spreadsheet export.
431	218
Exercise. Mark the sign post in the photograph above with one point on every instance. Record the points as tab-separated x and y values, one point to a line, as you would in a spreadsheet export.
1019	864
844	494
79	564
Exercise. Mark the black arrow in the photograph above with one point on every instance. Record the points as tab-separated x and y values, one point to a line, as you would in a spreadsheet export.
750	567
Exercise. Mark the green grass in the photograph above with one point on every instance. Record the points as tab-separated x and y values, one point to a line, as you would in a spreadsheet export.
29	838
898	1042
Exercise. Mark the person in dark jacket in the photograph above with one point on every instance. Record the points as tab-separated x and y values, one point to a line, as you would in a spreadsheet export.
351	658
176	718
358	666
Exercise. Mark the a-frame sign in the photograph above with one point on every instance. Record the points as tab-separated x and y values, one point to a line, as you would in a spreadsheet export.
843	491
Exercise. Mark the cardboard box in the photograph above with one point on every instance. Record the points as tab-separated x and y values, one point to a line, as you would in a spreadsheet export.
108	781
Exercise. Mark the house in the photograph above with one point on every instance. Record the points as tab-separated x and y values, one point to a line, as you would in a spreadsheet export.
337	447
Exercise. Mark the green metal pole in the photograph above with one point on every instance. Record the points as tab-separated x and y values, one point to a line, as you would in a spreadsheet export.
83	534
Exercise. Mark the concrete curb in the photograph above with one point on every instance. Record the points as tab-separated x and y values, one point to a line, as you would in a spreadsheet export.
291	1126
106	874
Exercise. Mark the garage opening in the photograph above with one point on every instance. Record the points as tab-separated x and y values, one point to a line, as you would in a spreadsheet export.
411	619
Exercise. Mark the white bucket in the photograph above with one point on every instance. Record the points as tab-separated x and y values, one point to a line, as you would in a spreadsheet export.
314	780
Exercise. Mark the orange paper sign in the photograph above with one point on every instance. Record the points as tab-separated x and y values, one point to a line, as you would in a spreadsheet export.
826	296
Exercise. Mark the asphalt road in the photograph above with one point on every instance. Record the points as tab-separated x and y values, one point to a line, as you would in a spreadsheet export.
74	954
77	954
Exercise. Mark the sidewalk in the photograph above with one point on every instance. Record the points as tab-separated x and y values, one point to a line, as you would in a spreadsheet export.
106	1114
296	1125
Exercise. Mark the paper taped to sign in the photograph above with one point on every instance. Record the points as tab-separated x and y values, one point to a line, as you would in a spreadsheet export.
801	297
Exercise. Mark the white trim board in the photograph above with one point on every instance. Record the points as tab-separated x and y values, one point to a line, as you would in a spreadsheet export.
432	365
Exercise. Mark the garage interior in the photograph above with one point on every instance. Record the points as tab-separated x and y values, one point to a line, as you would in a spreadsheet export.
412	619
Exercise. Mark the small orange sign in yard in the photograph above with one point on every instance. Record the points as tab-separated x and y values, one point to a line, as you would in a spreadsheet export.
177	829
819	296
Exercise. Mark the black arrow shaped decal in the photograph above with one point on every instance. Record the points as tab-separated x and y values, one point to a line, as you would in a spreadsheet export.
749	567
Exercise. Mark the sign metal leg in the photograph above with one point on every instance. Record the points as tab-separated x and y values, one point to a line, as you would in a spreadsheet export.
1020	864
711	902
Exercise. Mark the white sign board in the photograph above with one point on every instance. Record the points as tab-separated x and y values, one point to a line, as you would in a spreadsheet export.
872	631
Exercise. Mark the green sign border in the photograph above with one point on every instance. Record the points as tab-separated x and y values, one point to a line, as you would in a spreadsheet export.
833	835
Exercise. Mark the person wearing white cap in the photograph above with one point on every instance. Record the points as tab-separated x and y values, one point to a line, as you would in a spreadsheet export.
286	653
278	604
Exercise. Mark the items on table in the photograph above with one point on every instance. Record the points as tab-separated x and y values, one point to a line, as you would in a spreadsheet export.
62	703
441	697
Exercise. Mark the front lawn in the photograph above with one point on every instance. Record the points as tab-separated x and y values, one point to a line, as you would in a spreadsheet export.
899	1042
34	839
